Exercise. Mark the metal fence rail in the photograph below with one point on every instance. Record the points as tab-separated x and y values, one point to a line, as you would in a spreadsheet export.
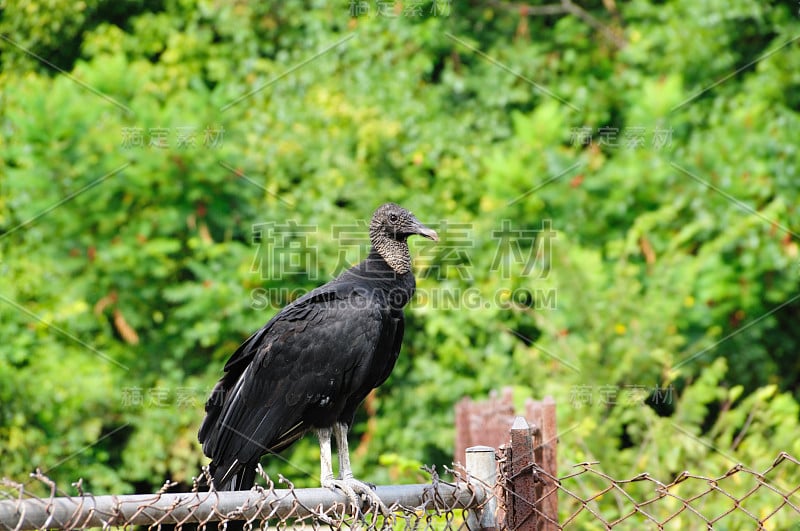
280	505
452	505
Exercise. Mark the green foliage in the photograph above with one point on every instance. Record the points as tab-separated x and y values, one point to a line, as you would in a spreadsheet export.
659	312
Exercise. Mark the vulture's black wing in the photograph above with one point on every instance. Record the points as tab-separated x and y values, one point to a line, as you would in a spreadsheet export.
302	368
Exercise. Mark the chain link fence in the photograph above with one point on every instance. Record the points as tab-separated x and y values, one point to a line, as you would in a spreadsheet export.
439	504
740	498
512	486
588	498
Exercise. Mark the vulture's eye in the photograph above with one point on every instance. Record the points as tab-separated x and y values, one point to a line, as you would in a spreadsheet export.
393	218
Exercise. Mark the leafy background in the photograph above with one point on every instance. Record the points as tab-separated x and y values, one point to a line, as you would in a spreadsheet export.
658	140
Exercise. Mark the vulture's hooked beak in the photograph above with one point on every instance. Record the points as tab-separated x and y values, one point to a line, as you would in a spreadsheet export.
422	230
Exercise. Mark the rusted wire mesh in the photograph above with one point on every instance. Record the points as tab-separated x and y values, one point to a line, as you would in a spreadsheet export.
436	505
588	498
740	498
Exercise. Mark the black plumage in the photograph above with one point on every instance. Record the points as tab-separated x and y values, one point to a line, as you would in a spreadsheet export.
314	362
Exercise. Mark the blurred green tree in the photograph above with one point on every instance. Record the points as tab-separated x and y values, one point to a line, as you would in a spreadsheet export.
615	188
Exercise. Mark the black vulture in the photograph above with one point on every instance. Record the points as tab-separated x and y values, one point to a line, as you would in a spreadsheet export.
313	363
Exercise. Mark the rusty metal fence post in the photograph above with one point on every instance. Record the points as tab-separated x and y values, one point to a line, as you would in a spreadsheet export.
529	487
521	489
531	492
528	454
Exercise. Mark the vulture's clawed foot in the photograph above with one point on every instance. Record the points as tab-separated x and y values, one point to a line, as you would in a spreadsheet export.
361	495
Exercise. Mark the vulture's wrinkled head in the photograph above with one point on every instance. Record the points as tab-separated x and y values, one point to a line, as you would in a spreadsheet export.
395	222
389	229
